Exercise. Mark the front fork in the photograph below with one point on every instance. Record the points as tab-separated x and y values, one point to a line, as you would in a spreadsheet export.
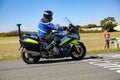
73	44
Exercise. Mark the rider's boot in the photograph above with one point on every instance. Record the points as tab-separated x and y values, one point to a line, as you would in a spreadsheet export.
53	43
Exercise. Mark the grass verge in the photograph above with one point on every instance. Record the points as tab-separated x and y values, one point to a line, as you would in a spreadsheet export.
94	43
104	51
3	57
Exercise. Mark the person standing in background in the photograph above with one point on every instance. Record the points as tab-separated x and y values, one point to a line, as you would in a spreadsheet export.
106	38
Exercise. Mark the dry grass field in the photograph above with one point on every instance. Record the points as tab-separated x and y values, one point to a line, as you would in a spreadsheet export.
93	41
9	48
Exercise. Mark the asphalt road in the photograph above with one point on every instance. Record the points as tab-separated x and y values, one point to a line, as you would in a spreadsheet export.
93	67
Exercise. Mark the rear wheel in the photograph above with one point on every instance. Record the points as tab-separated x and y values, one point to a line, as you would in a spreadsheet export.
27	58
78	52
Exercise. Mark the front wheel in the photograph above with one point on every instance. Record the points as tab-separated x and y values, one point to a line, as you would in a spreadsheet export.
78	51
27	58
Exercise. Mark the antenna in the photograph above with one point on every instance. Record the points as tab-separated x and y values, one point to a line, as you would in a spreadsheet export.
19	30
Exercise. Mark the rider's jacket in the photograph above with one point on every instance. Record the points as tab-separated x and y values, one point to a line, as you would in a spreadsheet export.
45	27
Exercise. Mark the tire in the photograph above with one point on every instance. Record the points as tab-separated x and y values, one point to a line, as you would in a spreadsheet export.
27	58
78	52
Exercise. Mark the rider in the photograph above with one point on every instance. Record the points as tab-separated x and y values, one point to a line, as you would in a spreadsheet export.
45	27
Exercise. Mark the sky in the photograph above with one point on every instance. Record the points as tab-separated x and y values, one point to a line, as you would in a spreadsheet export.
80	12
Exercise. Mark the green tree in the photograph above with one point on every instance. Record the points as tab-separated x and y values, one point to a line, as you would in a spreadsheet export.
92	25
108	23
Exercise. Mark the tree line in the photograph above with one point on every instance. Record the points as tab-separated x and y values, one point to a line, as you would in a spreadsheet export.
108	23
12	33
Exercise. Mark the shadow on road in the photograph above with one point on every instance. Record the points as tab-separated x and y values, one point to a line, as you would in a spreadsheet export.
54	61
48	61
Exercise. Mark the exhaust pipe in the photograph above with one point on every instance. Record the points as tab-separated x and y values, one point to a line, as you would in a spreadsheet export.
33	53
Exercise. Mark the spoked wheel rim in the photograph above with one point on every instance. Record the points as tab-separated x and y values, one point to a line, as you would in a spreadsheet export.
78	51
29	59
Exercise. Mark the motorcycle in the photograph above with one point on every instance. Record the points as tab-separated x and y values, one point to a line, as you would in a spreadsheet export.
32	48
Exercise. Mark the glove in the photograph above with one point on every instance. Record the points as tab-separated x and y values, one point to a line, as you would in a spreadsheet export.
64	28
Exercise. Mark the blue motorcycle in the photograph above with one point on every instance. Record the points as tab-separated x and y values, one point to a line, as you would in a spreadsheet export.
69	45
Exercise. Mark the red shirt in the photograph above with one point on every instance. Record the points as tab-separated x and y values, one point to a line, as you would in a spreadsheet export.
106	35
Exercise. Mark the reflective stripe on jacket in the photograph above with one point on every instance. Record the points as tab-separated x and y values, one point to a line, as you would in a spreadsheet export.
44	28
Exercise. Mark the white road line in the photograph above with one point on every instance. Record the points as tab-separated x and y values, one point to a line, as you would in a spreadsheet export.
118	71
116	62
111	63
110	55
114	68
106	64
116	56
91	62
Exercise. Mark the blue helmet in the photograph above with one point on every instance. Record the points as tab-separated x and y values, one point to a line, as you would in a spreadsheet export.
48	15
